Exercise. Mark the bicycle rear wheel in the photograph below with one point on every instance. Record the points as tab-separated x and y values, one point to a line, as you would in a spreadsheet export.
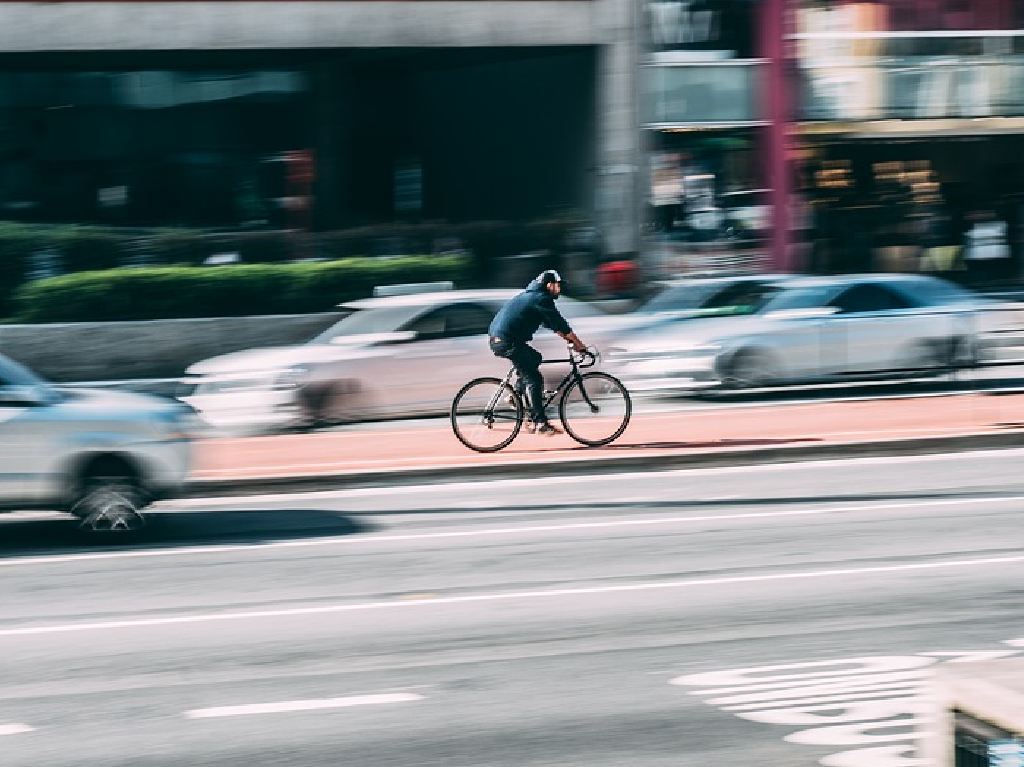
595	409
487	414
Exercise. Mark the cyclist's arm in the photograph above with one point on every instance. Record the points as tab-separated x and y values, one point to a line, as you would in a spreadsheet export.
574	339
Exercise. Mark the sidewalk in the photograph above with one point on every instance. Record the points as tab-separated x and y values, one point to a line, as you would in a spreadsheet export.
727	436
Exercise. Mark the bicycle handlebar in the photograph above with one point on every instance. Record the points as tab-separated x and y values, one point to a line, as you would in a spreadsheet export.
587	358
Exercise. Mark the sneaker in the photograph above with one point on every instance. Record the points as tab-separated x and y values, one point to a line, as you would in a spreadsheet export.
547	430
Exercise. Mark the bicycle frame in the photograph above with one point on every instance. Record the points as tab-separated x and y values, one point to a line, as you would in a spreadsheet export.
570	377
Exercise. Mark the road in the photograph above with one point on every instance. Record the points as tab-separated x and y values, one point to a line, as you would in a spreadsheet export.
633	619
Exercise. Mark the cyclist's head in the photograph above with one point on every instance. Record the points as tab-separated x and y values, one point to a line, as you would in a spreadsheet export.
552	282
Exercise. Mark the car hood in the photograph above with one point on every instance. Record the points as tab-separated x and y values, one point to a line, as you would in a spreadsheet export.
122	403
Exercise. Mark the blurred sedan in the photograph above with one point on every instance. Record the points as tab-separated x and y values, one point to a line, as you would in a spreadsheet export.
394	356
856	327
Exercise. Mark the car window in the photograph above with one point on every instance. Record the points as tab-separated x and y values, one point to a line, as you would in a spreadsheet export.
931	291
740	298
862	299
466	320
680	298
429	326
14	374
369	321
812	297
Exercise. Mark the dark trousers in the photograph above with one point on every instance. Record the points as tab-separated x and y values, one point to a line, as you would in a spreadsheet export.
527	362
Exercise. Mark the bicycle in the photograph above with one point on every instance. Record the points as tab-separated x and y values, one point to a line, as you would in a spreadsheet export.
594	408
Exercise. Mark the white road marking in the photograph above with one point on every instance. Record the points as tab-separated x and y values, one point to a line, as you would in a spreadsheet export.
507	596
15	729
356	539
287	706
615	477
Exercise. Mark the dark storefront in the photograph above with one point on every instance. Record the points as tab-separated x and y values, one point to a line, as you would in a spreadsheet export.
308	139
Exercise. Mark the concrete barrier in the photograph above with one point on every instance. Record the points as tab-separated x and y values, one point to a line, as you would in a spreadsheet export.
978	715
99	351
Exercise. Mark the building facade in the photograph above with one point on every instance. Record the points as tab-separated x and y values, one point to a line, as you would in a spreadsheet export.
853	135
321	114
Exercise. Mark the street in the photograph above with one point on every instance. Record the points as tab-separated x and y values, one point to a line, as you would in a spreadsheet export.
624	619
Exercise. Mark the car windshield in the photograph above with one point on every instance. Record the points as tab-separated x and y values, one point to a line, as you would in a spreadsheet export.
15	374
720	300
370	321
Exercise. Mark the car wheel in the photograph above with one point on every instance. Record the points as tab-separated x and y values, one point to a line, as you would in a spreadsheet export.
110	502
749	369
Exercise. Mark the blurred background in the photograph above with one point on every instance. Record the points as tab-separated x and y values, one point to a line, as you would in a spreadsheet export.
793	228
819	136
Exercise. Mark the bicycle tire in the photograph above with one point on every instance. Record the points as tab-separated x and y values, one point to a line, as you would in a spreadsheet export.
509	408
614	391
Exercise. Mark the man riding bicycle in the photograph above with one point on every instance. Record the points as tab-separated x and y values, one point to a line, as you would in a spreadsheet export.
512	329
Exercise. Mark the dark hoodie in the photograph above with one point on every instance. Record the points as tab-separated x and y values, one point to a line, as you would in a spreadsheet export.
520	318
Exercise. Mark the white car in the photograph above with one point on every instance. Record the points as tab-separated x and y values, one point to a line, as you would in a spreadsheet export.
393	356
820	329
102	456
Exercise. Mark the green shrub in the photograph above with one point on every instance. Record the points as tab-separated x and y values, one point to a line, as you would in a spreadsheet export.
169	292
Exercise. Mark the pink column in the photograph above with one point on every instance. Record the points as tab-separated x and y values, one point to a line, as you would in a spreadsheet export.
775	109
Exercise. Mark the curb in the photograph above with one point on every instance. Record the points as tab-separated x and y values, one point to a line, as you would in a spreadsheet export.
712	458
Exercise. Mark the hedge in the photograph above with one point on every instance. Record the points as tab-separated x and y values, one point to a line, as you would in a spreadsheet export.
80	248
170	292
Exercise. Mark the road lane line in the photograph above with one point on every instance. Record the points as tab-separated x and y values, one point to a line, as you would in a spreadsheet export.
287	706
502	596
15	729
356	539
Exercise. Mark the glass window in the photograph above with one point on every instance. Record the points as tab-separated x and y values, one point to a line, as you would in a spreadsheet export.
868	298
15	374
466	320
722	27
369	321
813	297
153	147
702	94
931	291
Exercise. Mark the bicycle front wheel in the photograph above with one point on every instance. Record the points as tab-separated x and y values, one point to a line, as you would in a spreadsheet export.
487	414
595	409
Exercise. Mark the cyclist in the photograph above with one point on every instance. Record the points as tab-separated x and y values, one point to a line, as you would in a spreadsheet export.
512	329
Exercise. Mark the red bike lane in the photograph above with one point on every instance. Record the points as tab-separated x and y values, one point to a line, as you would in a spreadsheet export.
651	435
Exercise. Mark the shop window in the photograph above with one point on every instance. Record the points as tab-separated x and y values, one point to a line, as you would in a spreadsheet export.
722	27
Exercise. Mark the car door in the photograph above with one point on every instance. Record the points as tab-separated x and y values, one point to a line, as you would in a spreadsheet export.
449	347
874	327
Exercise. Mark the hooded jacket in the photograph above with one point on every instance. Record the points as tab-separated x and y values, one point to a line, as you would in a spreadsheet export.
520	318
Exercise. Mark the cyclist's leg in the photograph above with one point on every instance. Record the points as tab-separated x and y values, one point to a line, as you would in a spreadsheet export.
527	361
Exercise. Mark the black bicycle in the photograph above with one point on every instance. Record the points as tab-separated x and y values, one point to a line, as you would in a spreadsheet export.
488	413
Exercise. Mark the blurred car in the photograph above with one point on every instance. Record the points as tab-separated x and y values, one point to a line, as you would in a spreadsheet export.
817	329
398	355
102	456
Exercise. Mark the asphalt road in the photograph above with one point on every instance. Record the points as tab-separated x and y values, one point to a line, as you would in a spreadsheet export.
625	620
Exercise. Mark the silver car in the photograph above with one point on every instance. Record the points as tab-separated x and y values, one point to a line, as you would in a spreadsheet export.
816	330
102	456
393	356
